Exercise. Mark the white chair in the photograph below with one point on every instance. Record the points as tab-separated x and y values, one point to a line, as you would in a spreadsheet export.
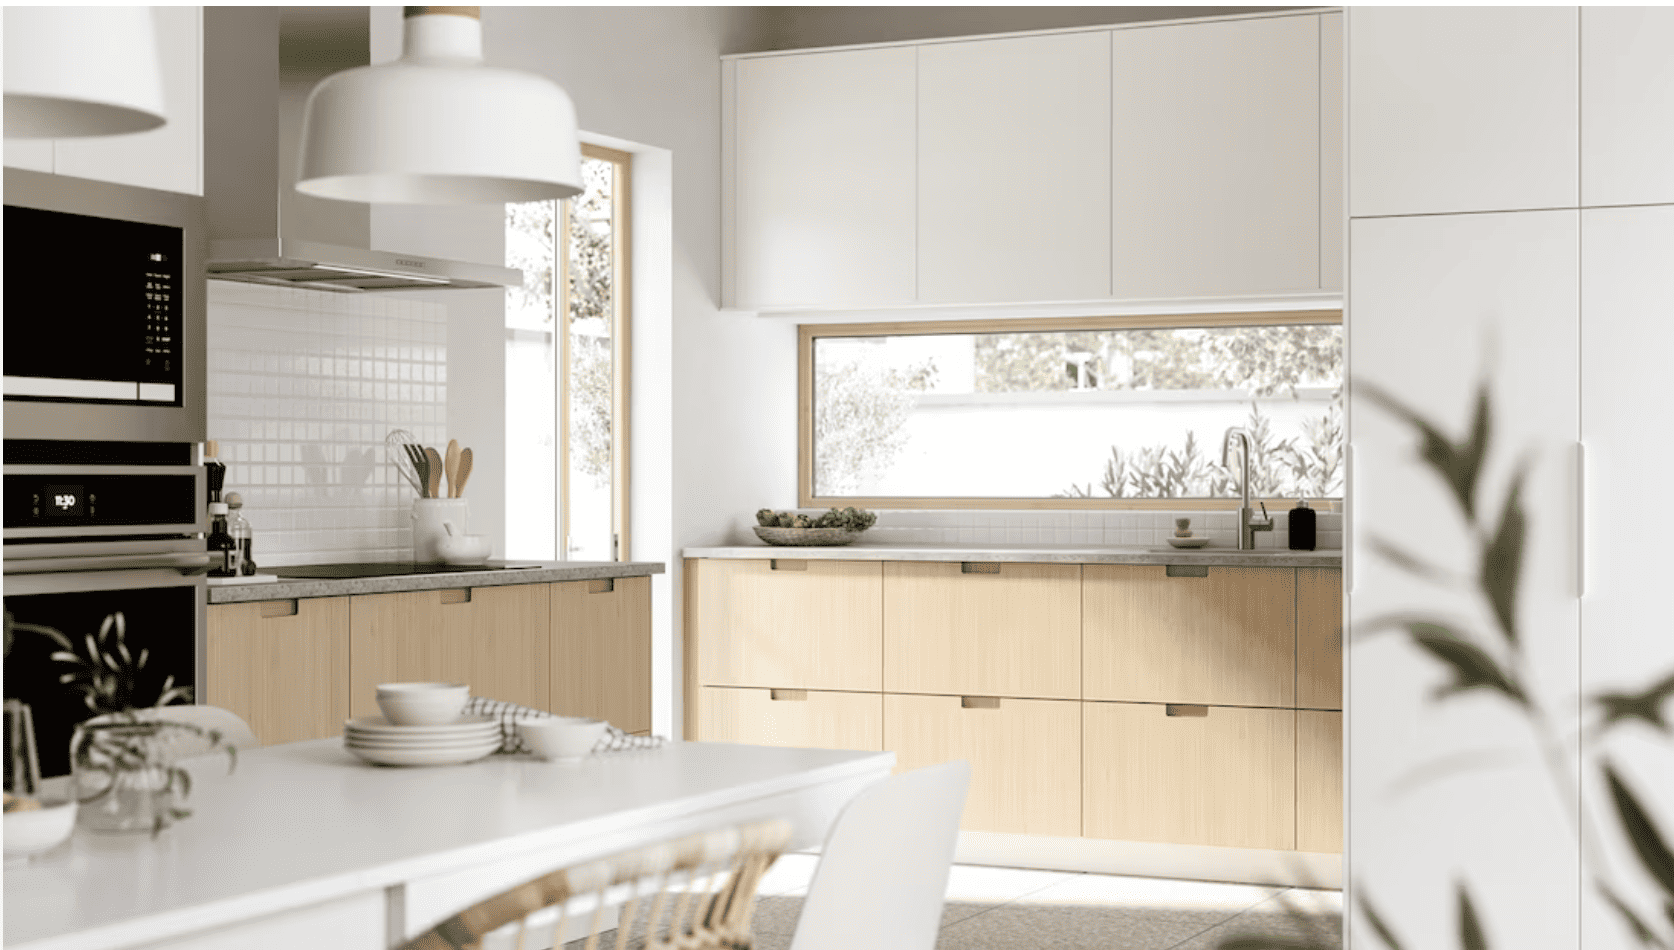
697	893
883	874
234	731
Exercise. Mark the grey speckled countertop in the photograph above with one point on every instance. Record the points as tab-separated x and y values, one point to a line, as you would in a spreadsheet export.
548	572
1042	553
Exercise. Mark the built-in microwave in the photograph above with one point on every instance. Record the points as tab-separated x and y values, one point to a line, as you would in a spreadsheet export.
104	311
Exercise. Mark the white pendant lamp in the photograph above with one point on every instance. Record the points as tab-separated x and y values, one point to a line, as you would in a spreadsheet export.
439	127
81	71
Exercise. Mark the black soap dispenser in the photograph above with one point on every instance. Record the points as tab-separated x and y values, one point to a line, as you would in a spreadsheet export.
1301	526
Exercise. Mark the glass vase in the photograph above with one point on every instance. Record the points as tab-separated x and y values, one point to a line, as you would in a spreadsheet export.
121	780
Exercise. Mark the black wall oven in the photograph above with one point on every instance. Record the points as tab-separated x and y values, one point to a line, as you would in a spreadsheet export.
93	529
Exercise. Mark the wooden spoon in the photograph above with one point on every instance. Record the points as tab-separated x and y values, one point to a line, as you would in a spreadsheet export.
451	463
464	473
435	481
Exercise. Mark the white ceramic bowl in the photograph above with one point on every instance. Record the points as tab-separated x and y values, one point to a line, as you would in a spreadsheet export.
561	737
31	832
423	704
462	548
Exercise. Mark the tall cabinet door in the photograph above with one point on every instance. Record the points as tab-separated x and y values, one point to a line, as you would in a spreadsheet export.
823	178
1441	304
1627	335
1216	161
1014	169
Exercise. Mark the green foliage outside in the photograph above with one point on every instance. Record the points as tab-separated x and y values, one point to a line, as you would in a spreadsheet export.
860	407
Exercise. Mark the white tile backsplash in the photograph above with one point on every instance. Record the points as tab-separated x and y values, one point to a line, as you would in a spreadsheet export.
303	387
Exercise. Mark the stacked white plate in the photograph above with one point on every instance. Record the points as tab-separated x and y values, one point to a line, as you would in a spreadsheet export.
377	740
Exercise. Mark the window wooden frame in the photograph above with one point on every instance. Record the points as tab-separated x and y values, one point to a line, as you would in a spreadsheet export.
808	332
621	364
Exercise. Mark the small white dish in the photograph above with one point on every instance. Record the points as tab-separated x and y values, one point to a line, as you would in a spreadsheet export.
464	725
561	738
423	704
1189	542
463	548
39	829
380	756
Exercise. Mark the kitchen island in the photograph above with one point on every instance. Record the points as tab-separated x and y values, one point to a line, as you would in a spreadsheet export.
305	845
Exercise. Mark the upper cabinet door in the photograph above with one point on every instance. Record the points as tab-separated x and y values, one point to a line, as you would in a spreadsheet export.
1627	105
1216	178
823	180
169	158
1014	169
1462	109
1333	223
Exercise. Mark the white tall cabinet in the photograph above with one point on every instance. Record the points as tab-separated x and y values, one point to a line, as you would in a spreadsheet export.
168	158
1486	148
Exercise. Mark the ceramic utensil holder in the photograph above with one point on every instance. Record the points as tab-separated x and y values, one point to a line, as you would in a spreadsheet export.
429	516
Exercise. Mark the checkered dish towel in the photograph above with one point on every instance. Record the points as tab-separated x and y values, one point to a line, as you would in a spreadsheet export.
511	741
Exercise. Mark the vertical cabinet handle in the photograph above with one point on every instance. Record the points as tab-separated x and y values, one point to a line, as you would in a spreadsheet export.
1187	710
1580	519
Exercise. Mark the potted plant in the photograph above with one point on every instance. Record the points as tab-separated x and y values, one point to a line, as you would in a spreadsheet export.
123	763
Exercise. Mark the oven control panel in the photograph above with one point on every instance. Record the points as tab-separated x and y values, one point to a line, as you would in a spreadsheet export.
75	499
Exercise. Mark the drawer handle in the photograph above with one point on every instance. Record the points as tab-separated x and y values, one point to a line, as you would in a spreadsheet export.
979	702
791	695
279	608
781	564
604	586
455	595
1187	570
1186	709
978	567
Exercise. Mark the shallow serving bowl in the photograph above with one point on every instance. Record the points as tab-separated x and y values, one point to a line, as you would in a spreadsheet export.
561	737
806	537
34	831
423	704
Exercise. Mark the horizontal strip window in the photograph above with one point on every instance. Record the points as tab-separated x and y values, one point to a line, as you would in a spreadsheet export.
1118	412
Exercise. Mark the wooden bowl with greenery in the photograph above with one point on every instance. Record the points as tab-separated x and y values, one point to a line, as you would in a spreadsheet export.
792	529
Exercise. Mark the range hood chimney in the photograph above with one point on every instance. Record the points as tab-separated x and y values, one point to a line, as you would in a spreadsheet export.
261	230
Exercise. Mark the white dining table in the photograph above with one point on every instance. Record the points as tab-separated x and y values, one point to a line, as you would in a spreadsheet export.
306	845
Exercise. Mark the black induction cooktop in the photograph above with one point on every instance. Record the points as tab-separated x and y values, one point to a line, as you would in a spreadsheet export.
389	569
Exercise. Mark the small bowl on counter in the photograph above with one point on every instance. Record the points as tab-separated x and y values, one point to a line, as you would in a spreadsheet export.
423	704
465	549
36	826
561	738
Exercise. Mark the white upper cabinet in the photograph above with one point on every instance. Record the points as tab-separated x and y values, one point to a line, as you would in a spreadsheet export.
1014	169
1217	131
1627	105
169	158
1462	109
823	180
1333	225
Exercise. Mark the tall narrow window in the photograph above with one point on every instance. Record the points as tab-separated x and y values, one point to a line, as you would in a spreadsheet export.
566	369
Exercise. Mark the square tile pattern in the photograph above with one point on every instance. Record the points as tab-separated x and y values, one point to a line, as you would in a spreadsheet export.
1016	909
303	387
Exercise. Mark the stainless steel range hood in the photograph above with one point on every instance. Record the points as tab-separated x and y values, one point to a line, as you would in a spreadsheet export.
261	230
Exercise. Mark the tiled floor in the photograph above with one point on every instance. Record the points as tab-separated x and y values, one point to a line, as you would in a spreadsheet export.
1013	909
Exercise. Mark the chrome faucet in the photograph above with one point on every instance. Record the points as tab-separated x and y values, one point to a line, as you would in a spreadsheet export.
1248	522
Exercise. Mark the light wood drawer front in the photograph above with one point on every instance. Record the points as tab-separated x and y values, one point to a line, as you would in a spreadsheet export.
1225	639
1319	781
1013	632
1319	638
810	624
497	639
286	674
601	651
1024	754
1226	778
805	719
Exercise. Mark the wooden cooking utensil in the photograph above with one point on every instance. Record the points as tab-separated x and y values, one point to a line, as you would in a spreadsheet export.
435	481
451	466
464	473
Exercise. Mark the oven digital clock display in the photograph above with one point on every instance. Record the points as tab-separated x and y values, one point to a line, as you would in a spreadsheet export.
64	501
